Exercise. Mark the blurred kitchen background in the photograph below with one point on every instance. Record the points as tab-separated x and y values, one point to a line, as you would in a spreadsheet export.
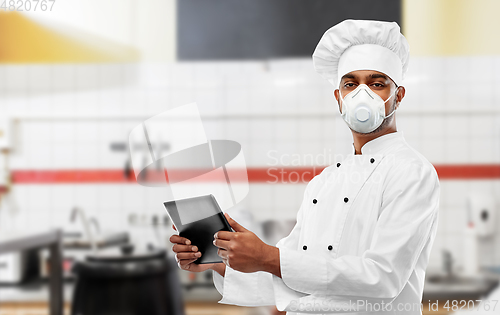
77	76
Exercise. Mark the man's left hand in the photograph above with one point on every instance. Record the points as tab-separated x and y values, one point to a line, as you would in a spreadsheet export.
242	250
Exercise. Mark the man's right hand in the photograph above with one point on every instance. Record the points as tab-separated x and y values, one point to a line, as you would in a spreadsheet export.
186	254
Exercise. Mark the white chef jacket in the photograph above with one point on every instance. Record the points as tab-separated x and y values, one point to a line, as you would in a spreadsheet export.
362	239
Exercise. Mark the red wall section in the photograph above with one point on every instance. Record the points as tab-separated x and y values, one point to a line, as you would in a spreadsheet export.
271	175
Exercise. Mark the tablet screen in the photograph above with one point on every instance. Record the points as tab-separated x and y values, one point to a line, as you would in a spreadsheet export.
185	211
198	219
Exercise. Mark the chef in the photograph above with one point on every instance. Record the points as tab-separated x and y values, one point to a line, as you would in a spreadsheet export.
366	225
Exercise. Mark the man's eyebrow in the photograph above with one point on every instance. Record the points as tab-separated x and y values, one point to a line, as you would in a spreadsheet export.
348	76
378	76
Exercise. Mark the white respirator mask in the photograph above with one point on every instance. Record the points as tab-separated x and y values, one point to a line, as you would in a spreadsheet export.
363	110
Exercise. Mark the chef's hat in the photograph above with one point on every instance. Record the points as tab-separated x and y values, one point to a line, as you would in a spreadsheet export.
362	45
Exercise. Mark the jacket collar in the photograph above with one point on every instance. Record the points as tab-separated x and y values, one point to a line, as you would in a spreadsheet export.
381	143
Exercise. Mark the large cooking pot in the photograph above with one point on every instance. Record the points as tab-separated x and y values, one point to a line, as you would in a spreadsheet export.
127	283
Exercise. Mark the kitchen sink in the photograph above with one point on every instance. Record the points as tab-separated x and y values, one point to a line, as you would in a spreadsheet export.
458	287
77	241
454	280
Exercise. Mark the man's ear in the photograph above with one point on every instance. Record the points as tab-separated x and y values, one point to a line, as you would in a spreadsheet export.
400	95
337	97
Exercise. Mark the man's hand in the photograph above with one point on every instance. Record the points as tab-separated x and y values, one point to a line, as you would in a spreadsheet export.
242	250
186	254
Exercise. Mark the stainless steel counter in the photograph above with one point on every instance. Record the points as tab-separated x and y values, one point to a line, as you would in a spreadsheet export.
51	239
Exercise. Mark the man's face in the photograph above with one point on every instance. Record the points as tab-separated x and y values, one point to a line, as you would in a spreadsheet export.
379	83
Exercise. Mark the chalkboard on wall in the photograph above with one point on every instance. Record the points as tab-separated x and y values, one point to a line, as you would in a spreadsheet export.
264	29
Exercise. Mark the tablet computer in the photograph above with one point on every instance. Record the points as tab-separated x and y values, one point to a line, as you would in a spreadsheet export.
198	219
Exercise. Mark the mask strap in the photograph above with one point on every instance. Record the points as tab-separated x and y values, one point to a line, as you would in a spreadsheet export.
389	99
391	95
391	113
341	103
340	94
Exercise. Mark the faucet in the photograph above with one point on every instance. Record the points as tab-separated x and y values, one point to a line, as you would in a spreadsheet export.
447	263
86	226
96	224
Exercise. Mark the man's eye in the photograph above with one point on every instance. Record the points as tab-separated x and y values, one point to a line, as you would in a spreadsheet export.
378	84
349	85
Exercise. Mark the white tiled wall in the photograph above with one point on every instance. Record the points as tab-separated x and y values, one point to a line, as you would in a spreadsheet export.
67	116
